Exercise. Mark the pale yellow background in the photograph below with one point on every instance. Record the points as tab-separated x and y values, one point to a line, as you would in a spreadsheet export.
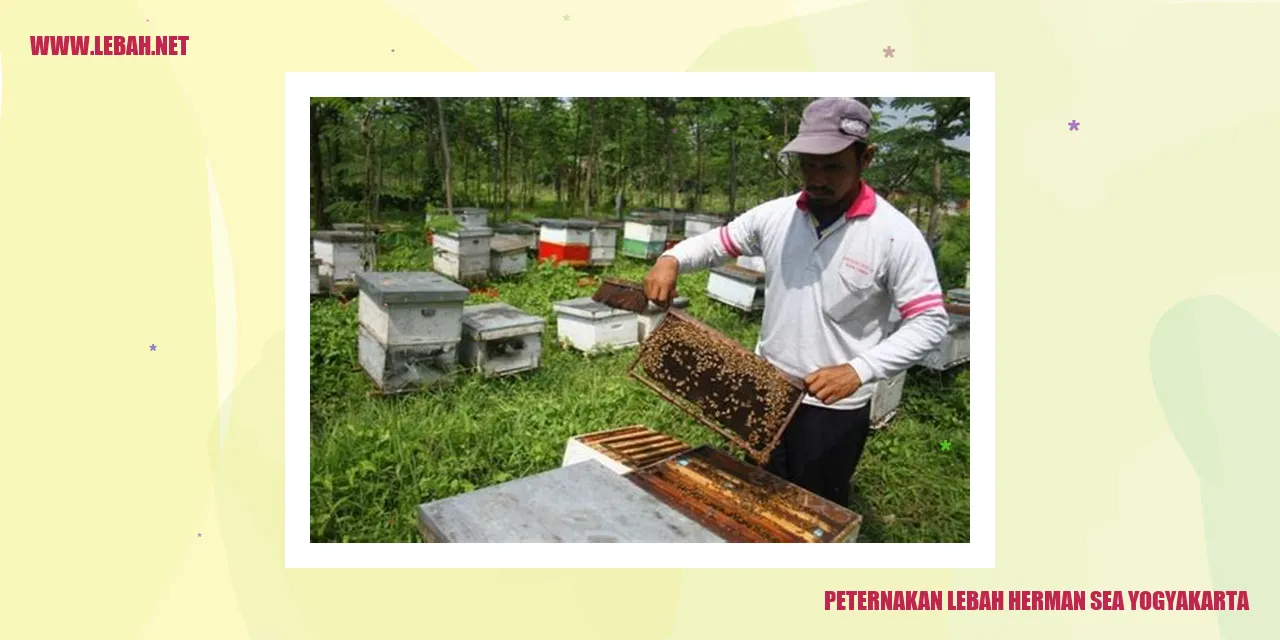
110	461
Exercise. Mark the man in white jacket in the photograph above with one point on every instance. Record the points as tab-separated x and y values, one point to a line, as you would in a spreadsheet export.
838	257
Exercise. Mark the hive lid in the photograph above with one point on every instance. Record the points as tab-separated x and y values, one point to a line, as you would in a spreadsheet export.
718	382
739	273
497	316
507	244
467	233
356	226
571	223
409	287
609	224
338	236
471	211
744	503
650	219
703	217
516	228
583	502
588	308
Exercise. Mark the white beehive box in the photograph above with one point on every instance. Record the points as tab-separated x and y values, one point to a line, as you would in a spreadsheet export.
508	256
463	254
315	276
410	327
604	244
700	223
885	400
565	232
500	339
647	321
754	263
472	217
737	287
589	325
344	253
646	231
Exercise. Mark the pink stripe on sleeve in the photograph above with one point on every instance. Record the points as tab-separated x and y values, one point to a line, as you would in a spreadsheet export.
923	303
727	242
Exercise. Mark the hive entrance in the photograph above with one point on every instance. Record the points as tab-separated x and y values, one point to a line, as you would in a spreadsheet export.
718	382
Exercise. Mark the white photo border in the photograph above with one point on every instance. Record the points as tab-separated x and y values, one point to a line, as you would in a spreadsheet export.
300	552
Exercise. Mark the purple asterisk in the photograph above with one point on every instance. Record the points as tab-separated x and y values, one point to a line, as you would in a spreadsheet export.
888	52
1075	126
153	347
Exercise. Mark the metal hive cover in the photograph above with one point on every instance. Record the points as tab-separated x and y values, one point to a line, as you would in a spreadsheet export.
497	316
718	382
340	236
408	287
507	244
739	273
516	228
959	295
571	223
587	308
743	503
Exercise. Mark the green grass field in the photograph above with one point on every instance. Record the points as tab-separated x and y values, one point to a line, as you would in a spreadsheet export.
374	459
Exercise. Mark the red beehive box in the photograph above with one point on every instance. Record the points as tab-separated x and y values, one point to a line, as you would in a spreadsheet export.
567	241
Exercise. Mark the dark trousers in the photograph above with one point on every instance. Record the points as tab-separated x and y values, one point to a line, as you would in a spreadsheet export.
820	449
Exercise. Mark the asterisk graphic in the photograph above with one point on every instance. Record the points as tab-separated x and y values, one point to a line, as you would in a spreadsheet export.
946	445
1075	126
153	347
888	52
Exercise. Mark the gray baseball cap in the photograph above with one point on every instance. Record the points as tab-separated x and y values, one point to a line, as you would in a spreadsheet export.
829	125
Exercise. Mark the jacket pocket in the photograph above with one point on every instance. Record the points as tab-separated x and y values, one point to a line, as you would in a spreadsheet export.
847	287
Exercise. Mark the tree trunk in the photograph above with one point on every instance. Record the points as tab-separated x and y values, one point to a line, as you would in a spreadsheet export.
936	214
671	153
697	185
444	147
366	132
733	176
591	160
317	169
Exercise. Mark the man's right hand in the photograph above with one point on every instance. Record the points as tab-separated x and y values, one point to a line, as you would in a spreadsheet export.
660	282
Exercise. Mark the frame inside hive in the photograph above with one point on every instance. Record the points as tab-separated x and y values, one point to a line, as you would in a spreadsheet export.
718	382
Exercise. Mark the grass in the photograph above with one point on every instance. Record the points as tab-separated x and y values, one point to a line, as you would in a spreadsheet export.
374	459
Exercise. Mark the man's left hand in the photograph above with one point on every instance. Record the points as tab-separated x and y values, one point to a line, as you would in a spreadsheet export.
832	384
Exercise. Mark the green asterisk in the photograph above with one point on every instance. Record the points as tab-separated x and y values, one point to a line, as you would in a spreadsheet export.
946	445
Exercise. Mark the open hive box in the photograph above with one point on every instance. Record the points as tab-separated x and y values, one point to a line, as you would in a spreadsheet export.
622	450
718	382
742	503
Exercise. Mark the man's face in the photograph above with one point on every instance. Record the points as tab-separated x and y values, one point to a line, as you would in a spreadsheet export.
830	179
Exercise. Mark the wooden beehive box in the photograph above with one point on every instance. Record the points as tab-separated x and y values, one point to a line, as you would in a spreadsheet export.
644	238
622	450
344	253
718	382
315	277
885	400
743	503
699	223
410	327
472	217
567	241
508	256
527	233
604	244
584	502
589	325
500	340
463	254
648	320
737	287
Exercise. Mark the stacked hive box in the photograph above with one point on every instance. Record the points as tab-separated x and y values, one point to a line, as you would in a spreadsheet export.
410	327
565	241
472	217
500	339
588	325
343	253
647	320
644	238
604	244
463	254
508	255
315	276
700	223
885	400
954	348
526	233
737	287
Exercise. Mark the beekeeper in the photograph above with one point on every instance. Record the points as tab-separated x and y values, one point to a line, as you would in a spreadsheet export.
838	258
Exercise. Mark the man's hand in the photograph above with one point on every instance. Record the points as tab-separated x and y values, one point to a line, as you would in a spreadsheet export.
832	384
660	282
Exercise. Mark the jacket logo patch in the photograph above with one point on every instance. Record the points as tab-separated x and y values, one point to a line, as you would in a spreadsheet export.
858	266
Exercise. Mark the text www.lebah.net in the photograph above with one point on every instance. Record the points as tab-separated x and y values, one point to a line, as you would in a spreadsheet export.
109	45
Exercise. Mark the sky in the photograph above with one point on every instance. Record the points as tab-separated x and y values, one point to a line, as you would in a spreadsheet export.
898	116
